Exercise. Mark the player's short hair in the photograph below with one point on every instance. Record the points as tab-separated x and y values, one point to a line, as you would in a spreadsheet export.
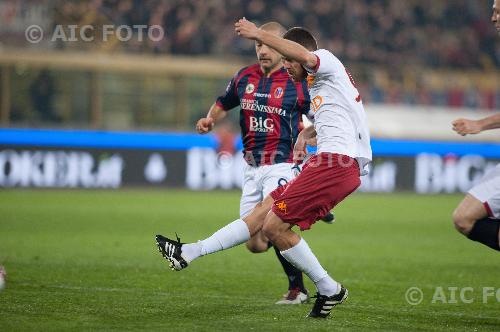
303	37
273	26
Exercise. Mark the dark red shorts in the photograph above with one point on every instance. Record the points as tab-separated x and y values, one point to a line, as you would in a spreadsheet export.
325	180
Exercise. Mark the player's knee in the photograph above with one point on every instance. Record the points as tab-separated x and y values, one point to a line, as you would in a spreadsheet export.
462	223
256	247
252	247
257	243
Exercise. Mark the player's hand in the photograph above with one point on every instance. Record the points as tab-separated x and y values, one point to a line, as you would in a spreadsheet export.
204	125
299	151
465	126
246	29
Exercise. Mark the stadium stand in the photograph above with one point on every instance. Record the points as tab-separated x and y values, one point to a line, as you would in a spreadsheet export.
399	53
368	31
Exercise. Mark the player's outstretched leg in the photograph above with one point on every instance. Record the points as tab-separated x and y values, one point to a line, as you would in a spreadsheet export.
296	250
471	219
180	255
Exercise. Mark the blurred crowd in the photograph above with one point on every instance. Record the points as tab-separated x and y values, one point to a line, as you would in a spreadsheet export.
427	32
434	34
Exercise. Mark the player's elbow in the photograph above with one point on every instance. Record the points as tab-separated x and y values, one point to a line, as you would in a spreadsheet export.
309	60
304	57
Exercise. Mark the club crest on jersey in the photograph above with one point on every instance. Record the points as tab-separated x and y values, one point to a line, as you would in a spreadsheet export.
250	88
281	206
278	93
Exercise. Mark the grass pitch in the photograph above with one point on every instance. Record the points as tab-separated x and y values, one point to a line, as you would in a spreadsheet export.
86	260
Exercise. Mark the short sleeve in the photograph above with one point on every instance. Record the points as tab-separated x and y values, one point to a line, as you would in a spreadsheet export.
327	63
230	98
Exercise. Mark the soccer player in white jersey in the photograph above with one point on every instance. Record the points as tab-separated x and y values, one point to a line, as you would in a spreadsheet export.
478	215
344	151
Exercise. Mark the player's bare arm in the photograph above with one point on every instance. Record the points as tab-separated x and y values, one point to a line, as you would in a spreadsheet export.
206	124
306	136
308	133
289	49
466	126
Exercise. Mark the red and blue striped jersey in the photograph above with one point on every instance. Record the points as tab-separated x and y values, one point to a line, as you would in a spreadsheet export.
270	115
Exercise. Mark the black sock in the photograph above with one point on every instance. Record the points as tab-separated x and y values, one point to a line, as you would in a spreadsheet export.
294	275
486	231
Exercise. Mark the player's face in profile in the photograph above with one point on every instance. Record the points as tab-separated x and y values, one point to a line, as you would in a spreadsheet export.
295	70
268	58
495	17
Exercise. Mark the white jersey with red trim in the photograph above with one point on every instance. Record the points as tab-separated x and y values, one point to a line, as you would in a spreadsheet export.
339	116
487	190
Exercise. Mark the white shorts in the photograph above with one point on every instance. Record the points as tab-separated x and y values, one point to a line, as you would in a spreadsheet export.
259	181
488	192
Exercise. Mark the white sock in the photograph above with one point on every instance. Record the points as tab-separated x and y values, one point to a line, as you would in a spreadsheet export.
191	251
327	286
227	237
303	258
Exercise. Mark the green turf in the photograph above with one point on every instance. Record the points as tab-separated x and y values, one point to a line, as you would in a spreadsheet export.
85	260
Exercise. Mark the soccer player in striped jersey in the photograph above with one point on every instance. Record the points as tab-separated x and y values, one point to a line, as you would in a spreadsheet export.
271	106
